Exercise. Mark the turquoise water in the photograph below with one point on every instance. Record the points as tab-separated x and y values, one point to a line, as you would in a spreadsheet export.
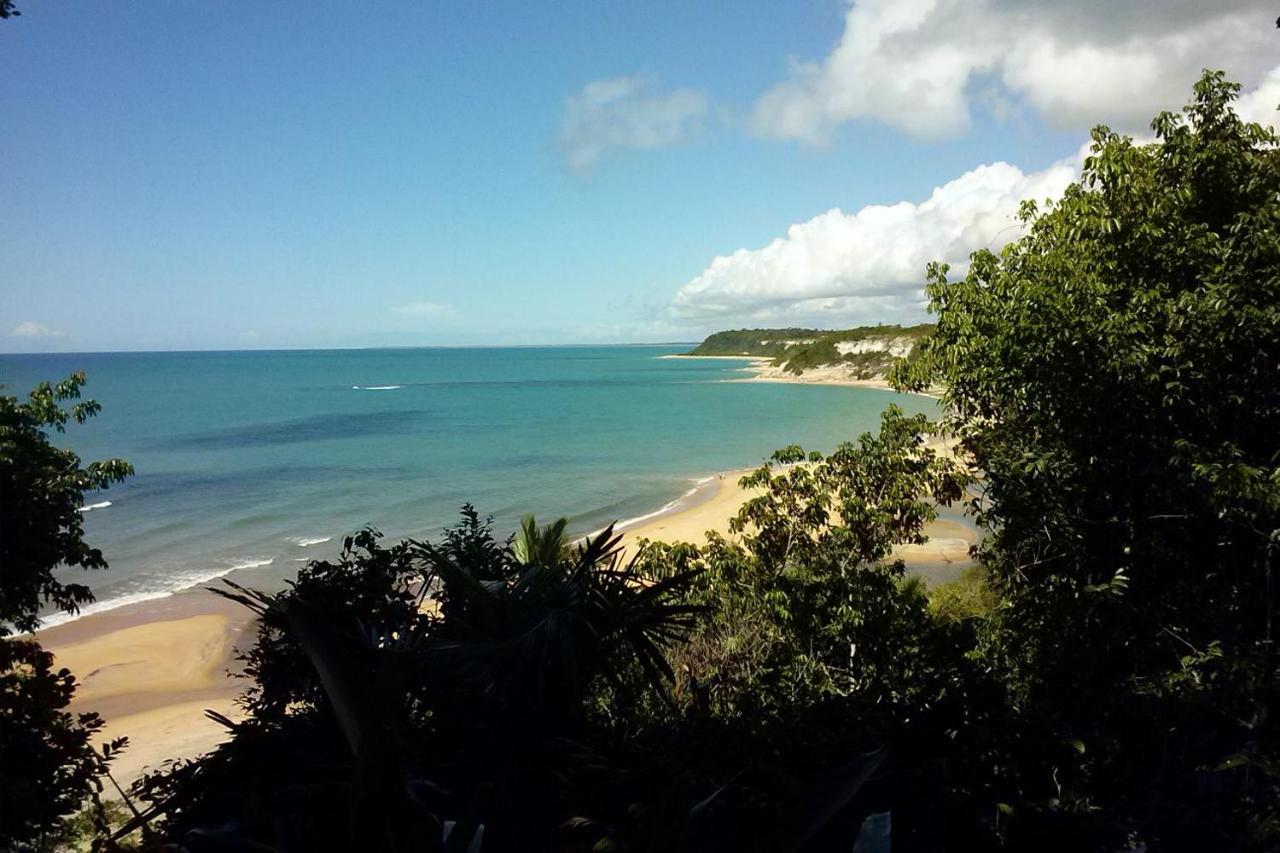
250	462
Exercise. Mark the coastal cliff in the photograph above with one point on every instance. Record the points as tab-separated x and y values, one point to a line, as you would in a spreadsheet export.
864	354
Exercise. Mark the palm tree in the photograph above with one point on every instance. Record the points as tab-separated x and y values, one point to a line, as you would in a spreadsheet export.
405	719
565	617
540	546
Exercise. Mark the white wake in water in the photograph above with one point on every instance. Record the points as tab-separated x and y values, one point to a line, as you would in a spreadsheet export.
99	505
374	387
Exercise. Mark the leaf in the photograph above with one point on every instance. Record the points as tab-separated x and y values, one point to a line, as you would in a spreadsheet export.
831	797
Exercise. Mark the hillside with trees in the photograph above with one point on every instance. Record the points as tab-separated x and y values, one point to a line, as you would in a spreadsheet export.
865	352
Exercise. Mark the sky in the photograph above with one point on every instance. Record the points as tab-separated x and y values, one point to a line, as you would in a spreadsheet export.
186	175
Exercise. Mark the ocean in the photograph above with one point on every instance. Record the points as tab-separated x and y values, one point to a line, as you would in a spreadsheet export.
250	463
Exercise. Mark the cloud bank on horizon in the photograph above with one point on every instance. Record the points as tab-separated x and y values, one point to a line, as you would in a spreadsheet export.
921	66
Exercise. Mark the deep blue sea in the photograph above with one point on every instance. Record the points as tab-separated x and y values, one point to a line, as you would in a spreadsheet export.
250	463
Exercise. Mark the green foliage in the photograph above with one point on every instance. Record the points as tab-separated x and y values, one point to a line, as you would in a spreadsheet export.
47	767
81	830
1105	680
399	687
544	546
1114	374
758	342
816	646
800	349
873	363
42	489
967	597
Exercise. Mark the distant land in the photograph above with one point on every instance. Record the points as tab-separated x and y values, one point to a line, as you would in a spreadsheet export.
862	354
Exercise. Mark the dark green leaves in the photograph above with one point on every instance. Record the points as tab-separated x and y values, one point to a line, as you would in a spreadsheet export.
41	491
1115	374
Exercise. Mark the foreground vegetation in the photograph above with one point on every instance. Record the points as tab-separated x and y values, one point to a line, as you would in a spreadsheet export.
1105	680
47	767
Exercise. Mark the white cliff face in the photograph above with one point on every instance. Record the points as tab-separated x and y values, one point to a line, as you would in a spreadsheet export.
896	347
858	355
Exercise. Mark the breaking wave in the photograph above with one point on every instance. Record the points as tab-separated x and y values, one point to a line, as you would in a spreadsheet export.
165	587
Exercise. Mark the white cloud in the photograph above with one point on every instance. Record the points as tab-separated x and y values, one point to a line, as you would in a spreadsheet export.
626	112
870	264
437	310
920	65
32	329
1262	103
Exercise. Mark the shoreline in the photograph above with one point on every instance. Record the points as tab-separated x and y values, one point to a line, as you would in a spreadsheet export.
764	370
678	355
151	668
939	560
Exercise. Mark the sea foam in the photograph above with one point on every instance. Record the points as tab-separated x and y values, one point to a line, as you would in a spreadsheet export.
168	586
668	507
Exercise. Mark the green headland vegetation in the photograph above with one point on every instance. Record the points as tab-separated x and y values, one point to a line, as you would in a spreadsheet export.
869	351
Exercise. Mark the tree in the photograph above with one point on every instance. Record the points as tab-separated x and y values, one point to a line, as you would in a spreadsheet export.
817	651
461	679
533	545
47	766
42	489
405	685
814	565
1114	375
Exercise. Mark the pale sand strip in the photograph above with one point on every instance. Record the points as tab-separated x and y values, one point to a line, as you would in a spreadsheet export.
691	523
151	673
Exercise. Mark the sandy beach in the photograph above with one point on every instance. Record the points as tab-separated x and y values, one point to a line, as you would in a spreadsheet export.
710	509
151	669
831	375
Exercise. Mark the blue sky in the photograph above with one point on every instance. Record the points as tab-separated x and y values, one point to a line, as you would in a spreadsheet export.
183	175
